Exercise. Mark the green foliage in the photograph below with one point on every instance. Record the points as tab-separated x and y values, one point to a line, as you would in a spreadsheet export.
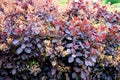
112	1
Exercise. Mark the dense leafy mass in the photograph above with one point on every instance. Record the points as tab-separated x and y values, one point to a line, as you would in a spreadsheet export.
37	42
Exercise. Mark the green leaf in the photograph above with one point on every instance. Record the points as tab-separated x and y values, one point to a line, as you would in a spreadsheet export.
63	2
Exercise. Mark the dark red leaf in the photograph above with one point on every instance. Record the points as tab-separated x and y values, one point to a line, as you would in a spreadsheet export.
25	6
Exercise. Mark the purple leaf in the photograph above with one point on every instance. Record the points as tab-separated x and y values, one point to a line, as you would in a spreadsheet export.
29	45
54	41
87	44
94	58
83	75
86	55
70	59
68	37
81	44
73	51
67	23
79	54
69	51
37	40
67	76
23	56
74	75
88	63
57	27
69	45
39	45
78	61
76	46
23	46
50	28
16	42
52	56
76	69
26	38
92	37
73	55
53	71
27	50
9	65
35	54
67	31
19	51
14	32
14	71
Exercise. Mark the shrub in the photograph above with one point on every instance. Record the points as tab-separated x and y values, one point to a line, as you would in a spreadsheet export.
39	43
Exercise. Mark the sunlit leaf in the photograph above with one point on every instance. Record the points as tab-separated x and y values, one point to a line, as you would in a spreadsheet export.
28	50
69	45
23	46
94	58
88	63
19	50
70	59
29	45
16	42
39	45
